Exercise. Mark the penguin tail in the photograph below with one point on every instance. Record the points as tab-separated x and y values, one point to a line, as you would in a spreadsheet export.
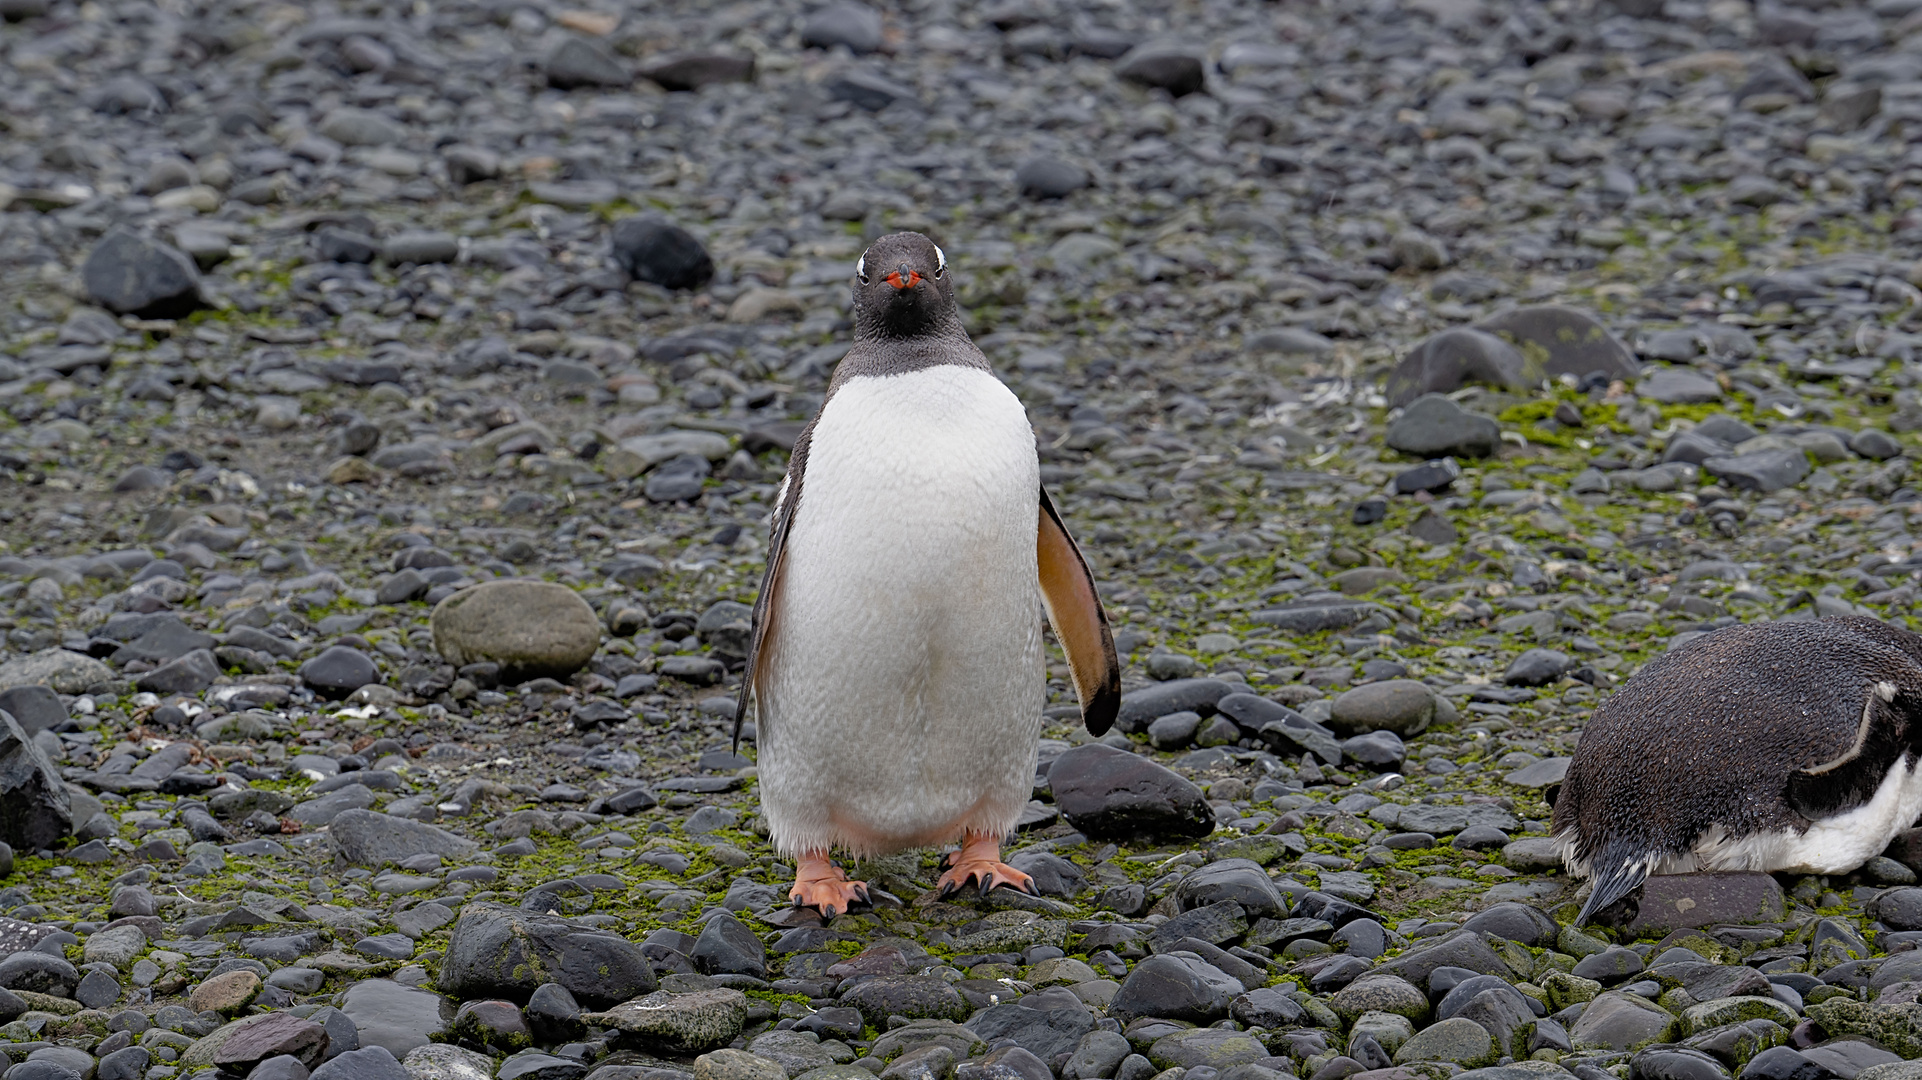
1618	869
740	706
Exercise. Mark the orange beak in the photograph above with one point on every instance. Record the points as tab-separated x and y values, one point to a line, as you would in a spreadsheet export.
903	279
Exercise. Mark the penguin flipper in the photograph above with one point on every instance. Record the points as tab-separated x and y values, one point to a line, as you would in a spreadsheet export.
1885	732
785	503
1079	621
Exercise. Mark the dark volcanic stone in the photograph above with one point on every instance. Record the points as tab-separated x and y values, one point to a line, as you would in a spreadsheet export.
1567	341
495	1026
1176	70
35	809
366	838
726	947
1141	707
1049	178
38	972
190	674
338	672
856	26
1538	667
498	951
36	708
1240	880
1674	1063
370	1063
917	997
1315	616
1175	988
1105	792
577	62
1516	922
693	70
554	1015
1042	1032
1434	426
1431	476
1668	902
1452	358
271	1036
130	274
1760	470
1380	751
654	250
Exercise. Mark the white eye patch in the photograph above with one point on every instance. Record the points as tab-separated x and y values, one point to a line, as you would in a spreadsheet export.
861	268
940	259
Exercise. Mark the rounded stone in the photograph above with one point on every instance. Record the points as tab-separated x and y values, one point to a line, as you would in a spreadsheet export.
530	628
338	672
1457	1041
1379	993
1402	706
225	994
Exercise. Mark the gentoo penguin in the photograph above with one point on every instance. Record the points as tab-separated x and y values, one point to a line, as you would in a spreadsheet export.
896	655
1767	746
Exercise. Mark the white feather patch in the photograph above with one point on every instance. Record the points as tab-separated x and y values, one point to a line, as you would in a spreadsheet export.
861	267
940	259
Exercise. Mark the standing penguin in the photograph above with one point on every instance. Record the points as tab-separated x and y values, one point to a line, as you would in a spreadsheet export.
896	653
1766	746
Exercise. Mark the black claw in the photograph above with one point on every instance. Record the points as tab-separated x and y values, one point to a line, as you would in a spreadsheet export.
948	889
987	884
1030	888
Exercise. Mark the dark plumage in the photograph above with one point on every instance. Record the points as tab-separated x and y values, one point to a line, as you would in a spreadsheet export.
1757	747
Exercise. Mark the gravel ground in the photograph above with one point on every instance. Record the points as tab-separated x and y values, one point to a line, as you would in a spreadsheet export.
313	317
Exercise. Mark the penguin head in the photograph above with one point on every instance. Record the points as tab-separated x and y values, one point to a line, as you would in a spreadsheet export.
902	288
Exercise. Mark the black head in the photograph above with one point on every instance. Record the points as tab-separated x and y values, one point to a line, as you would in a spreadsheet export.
902	289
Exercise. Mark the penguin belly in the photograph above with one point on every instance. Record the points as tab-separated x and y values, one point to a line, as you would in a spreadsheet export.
902	696
1830	845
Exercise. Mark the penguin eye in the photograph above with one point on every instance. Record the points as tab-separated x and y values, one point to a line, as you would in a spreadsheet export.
861	269
940	261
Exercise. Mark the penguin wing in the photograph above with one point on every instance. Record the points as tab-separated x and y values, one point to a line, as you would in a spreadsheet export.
1079	620
1886	730
785	502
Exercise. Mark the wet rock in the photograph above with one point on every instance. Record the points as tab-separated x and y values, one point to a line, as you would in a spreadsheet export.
689	1023
1680	901
271	1036
1175	987
1108	792
916	997
497	951
35	809
366	838
390	1016
1618	1021
1459	1041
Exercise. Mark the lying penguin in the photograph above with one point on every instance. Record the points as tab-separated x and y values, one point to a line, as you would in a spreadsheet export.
1767	746
896	655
